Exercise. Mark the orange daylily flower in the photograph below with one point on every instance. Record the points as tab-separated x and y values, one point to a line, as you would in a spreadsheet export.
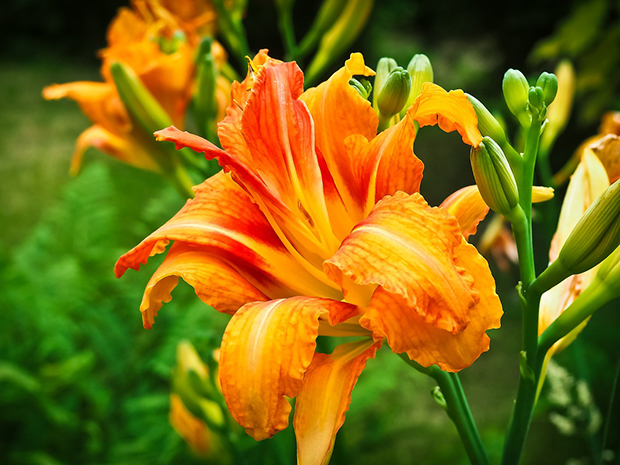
315	227
193	430
135	38
596	172
606	145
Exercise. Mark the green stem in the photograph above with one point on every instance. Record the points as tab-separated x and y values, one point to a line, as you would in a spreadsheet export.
530	303
384	122
550	207
591	299
179	178
457	409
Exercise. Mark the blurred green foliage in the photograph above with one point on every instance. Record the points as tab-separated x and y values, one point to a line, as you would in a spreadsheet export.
82	383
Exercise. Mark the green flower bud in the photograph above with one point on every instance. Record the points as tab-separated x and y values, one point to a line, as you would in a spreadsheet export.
609	272
536	98
494	177
384	68
421	71
548	82
394	92
205	101
516	90
140	103
362	86
596	235
487	124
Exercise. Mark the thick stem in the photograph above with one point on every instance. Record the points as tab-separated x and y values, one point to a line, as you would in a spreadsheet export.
457	409
530	303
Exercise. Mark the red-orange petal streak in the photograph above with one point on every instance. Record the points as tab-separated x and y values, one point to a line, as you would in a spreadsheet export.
338	111
215	282
279	132
266	349
386	164
223	220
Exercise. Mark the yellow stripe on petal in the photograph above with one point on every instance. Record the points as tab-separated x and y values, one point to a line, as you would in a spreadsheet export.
468	207
408	248
392	317
266	349
325	397
451	110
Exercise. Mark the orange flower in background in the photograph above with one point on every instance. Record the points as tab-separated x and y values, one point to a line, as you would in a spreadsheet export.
315	227
598	169
145	39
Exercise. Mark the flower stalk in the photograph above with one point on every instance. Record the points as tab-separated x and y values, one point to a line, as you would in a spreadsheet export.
457	408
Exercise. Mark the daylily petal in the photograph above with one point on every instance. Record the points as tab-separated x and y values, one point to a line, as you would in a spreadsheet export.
338	111
408	248
229	129
607	149
193	430
451	110
291	228
224	221
587	183
120	148
325	397
266	349
215	282
386	164
97	100
468	207
542	194
279	132
393	317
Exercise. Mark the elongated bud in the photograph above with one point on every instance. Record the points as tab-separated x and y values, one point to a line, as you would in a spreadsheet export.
394	93
362	86
596	235
487	124
609	271
189	382
516	90
548	82
205	100
494	177
536	99
339	37
384	67
421	71
140	103
326	17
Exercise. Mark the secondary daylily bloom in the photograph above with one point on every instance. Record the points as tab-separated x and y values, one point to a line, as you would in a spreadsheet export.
192	408
596	171
315	227
606	145
164	64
